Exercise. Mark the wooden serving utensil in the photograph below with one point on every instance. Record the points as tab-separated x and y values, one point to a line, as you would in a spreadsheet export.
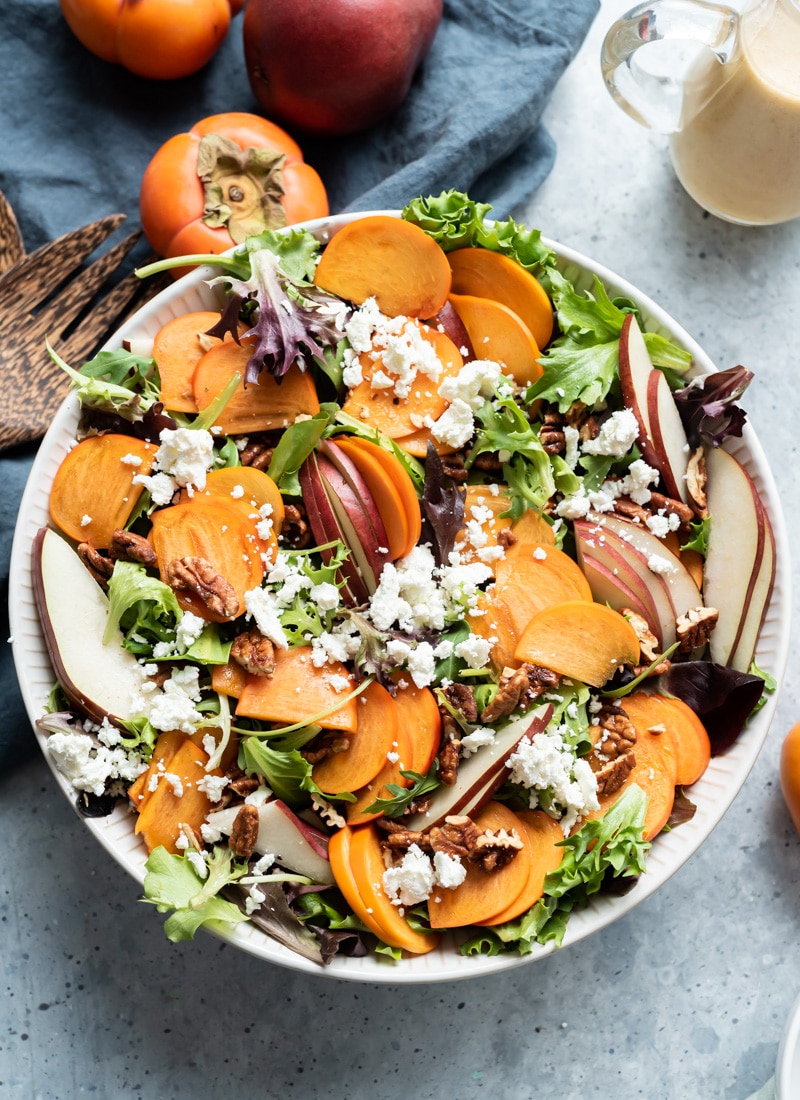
52	294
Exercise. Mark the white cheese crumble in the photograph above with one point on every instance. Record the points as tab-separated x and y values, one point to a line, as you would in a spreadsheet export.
88	765
546	762
616	436
261	607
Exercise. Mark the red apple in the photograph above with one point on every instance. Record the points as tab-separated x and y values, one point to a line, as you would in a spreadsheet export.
338	67
326	528
297	846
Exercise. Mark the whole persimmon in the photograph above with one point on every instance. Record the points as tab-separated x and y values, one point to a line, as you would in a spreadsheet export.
157	39
230	176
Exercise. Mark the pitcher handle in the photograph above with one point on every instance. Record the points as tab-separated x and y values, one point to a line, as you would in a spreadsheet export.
652	85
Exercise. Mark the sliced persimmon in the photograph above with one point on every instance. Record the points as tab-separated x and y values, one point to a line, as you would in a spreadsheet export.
385	918
253	408
492	620
178	347
528	584
93	493
484	506
392	490
396	763
498	333
382	409
167	744
418	713
484	894
176	800
417	444
219	533
228	679
487	274
545	835
245	486
367	748
689	738
299	691
584	641
388	259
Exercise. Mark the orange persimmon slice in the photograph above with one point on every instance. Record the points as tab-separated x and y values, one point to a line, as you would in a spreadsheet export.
245	486
368	747
484	894
228	679
545	835
584	641
486	274
348	853
419	714
178	347
396	763
498	333
220	533
93	493
528	584
254	408
298	691
395	416
388	259
176	801
392	490
689	738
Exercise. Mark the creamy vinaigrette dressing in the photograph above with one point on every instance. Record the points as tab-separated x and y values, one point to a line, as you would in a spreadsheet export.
739	155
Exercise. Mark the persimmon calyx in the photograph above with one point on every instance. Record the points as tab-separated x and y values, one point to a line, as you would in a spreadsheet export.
242	189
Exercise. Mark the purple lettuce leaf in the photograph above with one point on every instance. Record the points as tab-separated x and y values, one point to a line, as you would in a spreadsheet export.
708	406
722	698
442	508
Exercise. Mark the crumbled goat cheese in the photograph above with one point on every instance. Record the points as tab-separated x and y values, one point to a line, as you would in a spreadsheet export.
131	460
411	880
476	739
662	566
616	436
186	455
90	766
213	786
85	521
455	426
474	650
197	861
189	630
449	871
260	606
325	596
546	762
474	383
662	523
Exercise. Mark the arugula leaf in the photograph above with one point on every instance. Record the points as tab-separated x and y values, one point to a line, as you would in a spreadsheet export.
115	382
171	882
442	506
402	797
453	220
295	445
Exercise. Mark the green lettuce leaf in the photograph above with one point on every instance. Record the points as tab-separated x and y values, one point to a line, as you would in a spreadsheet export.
172	883
140	604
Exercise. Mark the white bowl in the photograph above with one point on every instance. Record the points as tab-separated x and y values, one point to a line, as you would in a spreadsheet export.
787	1068
713	794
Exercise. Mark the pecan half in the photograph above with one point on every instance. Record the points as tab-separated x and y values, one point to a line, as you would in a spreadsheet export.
295	531
98	564
257	453
695	627
197	577
127	546
648	642
551	433
669	506
457	837
462	698
579	416
399	838
517	689
244	832
454	468
506	538
618	733
449	756
325	744
254	652
613	774
493	851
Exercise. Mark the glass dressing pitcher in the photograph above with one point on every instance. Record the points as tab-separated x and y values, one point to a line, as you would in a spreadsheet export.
724	83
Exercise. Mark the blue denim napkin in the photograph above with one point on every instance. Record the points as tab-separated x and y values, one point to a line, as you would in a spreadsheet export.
77	134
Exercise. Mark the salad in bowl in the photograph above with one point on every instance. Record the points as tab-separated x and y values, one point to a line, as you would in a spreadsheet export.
406	594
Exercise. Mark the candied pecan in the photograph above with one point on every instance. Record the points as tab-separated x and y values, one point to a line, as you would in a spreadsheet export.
244	785
613	774
462	698
506	538
98	564
295	531
492	851
244	831
454	468
619	733
197	577
325	744
551	433
489	462
629	509
579	416
449	756
257	454
127	546
648	642
254	652
420	805
457	837
695	627
399	838
696	478
517	689
670	507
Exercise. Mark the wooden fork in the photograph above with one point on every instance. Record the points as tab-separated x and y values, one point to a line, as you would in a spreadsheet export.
52	293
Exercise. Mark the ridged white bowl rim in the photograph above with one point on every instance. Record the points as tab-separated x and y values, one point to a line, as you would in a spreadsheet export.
713	794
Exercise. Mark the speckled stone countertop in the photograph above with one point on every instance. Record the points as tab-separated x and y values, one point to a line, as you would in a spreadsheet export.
684	997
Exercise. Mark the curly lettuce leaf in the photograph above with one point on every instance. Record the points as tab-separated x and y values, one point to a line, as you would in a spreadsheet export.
454	221
142	605
171	882
116	382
